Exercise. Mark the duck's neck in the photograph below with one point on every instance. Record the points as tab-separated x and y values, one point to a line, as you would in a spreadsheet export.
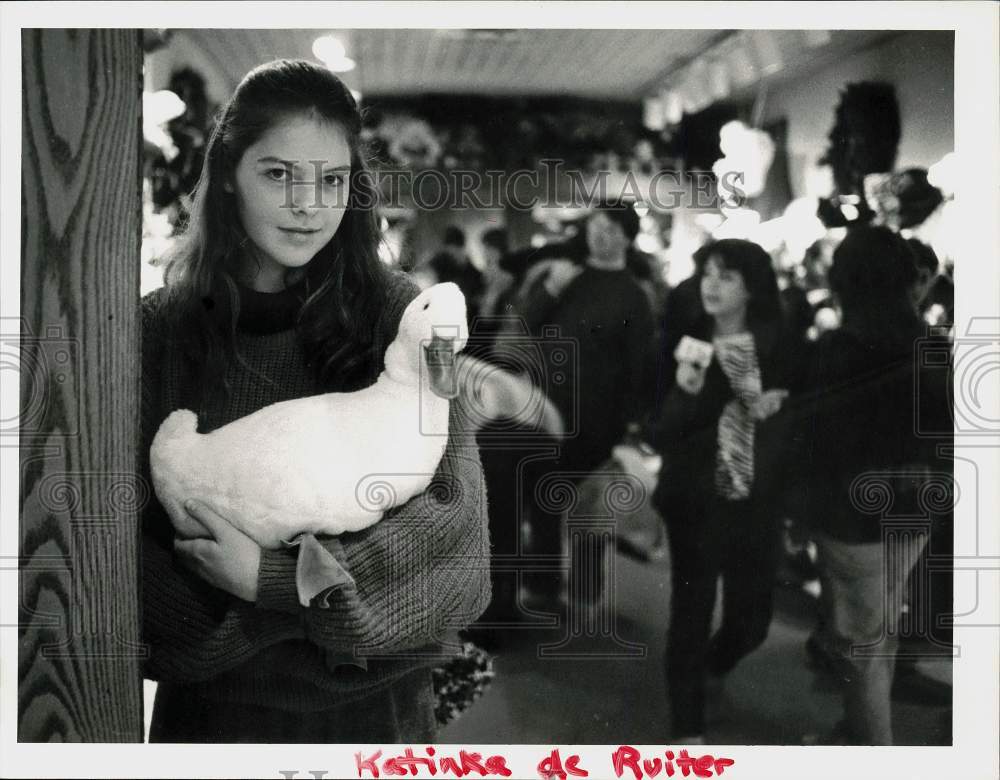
401	368
400	378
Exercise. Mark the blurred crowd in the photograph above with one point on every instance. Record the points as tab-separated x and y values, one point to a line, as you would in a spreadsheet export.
789	409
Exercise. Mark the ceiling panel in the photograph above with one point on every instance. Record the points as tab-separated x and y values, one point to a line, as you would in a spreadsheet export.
621	64
587	63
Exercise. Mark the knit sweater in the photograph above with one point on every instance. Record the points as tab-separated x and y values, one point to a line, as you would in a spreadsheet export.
414	579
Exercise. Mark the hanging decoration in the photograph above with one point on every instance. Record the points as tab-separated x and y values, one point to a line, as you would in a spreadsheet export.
416	145
942	175
173	164
747	156
901	200
159	108
864	140
462	132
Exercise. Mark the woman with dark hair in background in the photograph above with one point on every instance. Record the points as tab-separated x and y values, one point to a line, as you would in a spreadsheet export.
717	484
276	292
858	433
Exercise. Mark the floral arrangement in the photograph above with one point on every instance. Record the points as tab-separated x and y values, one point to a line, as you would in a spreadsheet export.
478	134
461	681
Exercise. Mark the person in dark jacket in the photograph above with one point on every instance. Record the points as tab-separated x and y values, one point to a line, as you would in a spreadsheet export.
717	483
870	477
601	320
451	264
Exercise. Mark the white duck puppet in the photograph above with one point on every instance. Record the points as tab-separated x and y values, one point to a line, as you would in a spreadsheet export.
330	463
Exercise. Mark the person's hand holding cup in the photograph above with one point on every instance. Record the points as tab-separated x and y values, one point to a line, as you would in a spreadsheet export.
693	358
690	377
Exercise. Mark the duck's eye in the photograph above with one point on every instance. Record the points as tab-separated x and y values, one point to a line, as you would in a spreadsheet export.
426	306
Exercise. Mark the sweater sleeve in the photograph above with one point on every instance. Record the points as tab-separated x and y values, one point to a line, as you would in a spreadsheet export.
192	631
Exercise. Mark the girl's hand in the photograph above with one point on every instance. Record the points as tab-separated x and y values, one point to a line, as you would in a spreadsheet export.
229	560
768	403
690	377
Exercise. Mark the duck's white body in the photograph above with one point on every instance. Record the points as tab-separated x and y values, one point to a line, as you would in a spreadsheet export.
325	464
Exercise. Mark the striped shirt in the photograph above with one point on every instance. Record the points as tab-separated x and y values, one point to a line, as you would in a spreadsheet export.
734	465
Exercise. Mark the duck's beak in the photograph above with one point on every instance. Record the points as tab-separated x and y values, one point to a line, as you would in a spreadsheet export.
439	356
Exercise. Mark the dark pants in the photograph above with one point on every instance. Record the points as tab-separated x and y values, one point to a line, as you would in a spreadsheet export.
400	713
507	497
735	540
551	487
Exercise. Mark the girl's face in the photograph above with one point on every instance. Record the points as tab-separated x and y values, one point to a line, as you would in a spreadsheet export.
723	291
291	190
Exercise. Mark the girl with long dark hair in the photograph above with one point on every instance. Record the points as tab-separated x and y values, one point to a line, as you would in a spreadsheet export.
715	490
275	291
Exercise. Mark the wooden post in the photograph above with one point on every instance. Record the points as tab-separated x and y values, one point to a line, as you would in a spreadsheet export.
79	637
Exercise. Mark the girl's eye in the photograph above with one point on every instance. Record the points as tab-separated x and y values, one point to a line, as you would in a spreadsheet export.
277	174
334	179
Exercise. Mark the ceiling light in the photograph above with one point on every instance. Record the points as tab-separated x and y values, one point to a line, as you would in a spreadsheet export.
343	65
815	38
653	115
718	79
328	47
331	51
673	108
768	51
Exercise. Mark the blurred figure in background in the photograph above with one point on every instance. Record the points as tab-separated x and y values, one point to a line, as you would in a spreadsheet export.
498	281
860	420
495	303
502	442
451	264
717	485
601	308
931	600
933	293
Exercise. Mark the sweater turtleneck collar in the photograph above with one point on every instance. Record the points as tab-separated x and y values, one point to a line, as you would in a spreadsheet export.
270	312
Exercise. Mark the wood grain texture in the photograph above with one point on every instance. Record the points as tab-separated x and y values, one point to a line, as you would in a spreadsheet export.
79	637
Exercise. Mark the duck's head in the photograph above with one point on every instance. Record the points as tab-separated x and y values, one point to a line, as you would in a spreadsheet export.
432	332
